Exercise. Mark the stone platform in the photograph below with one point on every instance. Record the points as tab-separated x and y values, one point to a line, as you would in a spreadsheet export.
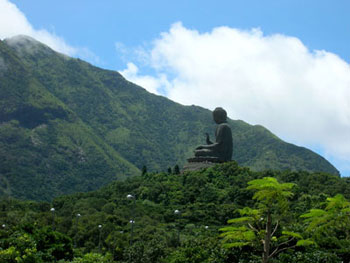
199	163
204	160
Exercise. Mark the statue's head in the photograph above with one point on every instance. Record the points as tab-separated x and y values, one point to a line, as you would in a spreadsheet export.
219	115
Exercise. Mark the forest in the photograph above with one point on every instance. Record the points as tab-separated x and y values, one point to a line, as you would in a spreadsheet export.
226	213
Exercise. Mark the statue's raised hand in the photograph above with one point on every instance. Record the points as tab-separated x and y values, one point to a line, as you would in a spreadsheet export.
208	139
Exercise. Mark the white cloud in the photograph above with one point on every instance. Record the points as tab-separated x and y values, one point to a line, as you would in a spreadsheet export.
151	84
13	22
121	49
303	96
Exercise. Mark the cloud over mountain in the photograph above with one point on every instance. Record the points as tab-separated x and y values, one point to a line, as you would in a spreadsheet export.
275	80
13	22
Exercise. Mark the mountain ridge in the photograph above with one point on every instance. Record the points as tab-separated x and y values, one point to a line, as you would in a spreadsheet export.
112	121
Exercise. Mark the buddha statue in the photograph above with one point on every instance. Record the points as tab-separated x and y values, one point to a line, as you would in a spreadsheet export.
221	149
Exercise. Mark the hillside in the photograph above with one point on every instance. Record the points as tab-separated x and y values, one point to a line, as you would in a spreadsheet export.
205	199
67	126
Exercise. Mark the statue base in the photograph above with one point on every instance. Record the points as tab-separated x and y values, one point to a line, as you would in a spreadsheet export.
206	159
199	163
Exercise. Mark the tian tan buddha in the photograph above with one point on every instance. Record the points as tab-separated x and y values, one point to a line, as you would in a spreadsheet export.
221	149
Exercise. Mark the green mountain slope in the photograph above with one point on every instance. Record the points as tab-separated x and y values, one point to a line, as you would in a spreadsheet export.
45	149
68	126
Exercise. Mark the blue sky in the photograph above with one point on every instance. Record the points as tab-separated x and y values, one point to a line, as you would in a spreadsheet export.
98	25
281	64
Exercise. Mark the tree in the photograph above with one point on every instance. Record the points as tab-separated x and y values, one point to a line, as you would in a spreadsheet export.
261	226
176	169
144	170
330	227
28	245
93	258
21	248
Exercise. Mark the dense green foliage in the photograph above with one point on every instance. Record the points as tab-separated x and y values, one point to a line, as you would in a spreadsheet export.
67	126
206	200
260	226
329	225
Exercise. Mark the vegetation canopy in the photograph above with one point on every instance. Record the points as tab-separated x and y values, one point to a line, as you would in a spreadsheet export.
280	226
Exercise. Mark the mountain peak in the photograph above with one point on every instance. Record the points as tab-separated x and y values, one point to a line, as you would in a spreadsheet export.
21	40
27	44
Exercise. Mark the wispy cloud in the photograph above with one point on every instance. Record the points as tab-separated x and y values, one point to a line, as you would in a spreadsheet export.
156	85
13	22
301	95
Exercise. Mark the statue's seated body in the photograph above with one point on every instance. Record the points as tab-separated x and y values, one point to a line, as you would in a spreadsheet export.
221	149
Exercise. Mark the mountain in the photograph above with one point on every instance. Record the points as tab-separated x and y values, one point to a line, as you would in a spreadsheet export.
67	126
